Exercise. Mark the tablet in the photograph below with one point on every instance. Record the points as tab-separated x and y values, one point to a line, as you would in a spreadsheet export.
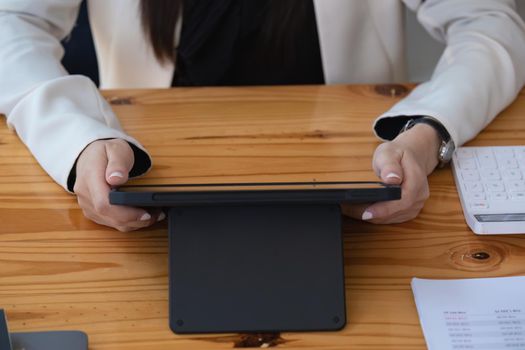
255	257
263	193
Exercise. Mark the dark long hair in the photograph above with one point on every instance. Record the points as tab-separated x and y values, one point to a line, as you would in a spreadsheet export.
159	18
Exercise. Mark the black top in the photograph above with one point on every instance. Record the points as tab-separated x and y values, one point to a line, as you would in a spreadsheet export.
248	42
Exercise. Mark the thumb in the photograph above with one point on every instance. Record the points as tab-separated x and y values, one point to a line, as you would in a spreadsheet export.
387	164
120	161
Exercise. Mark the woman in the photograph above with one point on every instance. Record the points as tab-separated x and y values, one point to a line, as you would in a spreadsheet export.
219	43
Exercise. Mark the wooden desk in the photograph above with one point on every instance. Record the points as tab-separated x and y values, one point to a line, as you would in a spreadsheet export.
60	271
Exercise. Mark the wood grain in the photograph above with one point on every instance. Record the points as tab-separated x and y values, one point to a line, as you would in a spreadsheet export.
60	271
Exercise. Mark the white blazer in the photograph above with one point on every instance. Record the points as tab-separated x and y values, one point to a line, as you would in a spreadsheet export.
362	41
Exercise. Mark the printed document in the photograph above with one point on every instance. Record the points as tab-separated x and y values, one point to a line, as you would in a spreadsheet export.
482	313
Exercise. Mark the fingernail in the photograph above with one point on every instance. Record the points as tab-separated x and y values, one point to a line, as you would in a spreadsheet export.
161	217
145	217
393	175
367	215
116	174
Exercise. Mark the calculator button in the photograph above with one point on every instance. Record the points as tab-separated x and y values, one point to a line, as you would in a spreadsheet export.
490	174
486	158
485	154
467	164
511	174
474	186
479	205
508	163
477	196
464	153
504	153
498	196
494	186
488	163
518	196
470	175
516	186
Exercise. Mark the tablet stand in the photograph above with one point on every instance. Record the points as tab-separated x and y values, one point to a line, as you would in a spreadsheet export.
48	340
256	268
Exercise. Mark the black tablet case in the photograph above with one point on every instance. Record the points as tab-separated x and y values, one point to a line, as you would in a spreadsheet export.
256	268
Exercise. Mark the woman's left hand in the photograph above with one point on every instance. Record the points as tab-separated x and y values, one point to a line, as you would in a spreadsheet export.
407	161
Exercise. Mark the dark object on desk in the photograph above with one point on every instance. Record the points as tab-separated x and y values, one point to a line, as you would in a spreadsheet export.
256	268
49	340
255	257
5	340
253	193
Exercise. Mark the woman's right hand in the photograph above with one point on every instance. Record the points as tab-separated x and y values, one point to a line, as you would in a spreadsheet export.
104	164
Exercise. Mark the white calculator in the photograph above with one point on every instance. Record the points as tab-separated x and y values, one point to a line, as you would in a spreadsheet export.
491	186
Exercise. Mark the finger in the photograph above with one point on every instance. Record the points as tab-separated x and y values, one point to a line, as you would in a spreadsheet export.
155	215
124	227
162	216
414	192
354	211
120	160
127	216
99	196
116	216
387	164
390	212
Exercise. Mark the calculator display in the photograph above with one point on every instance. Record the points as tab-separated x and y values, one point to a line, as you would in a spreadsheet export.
500	217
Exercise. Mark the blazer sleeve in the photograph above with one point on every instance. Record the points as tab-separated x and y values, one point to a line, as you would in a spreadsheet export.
56	115
480	72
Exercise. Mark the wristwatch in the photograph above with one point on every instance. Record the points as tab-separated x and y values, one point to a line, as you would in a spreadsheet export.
447	147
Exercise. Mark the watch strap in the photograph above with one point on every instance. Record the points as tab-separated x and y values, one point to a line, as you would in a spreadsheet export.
447	144
441	130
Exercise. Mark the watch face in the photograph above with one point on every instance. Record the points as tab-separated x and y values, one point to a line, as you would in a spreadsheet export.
445	151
